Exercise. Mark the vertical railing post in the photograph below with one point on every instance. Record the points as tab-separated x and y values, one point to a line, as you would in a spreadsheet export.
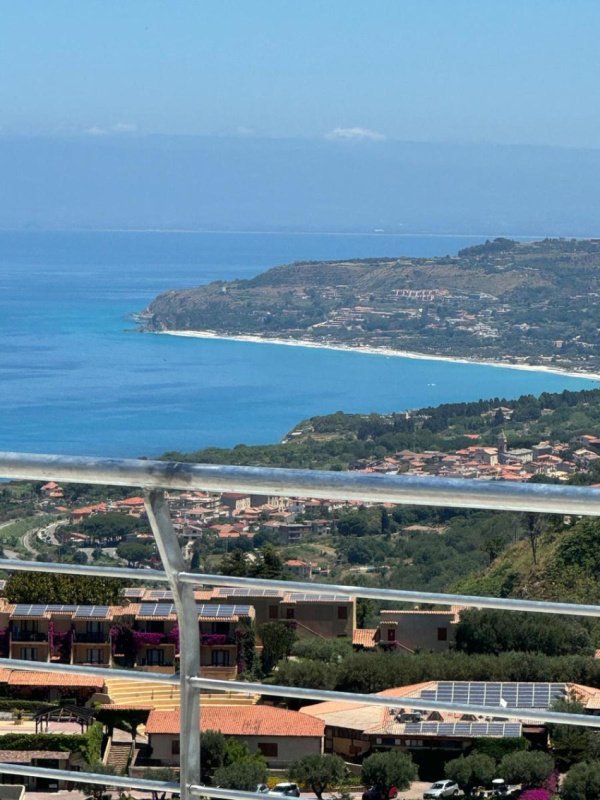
189	637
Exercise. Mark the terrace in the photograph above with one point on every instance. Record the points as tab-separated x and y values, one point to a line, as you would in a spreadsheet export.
154	477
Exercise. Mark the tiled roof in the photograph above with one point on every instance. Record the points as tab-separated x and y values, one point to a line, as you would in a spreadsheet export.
27	756
241	721
364	637
25	678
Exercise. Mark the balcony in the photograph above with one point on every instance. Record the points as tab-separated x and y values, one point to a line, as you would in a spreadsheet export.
28	636
91	638
153	477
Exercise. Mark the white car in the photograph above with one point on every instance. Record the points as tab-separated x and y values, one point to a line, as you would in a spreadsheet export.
442	789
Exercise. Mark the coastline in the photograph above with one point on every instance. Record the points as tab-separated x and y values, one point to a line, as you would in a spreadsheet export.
380	351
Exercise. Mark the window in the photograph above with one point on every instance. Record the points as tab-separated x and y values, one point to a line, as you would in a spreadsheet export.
155	626
93	626
442	634
391	635
221	628
29	653
273	612
95	656
290	613
268	749
155	657
220	658
342	612
175	747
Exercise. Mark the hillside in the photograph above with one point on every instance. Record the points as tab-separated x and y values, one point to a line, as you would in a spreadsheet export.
534	302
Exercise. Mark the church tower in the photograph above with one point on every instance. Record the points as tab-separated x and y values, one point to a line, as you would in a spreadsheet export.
502	447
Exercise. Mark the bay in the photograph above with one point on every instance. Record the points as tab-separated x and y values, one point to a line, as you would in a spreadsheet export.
77	378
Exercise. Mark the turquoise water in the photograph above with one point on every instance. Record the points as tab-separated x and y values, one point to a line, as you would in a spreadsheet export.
76	378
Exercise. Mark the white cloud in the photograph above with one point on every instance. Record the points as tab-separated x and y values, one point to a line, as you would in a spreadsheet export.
119	127
355	134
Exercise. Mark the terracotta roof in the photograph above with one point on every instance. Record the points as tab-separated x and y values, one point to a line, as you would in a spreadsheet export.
25	678
364	637
241	721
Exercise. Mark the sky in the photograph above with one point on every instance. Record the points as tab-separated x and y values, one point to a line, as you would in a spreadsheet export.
511	72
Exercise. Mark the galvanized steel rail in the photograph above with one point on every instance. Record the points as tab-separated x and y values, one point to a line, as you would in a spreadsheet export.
155	476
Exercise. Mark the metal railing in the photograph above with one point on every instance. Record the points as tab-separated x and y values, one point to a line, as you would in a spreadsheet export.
156	476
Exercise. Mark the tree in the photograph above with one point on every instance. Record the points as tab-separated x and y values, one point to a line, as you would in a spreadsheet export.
470	771
533	528
385	770
112	526
213	748
98	791
35	587
320	772
582	782
135	553
529	768
571	744
242	775
277	639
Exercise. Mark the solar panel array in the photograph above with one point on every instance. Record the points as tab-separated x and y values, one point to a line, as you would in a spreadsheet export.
466	729
223	591
82	612
156	609
160	594
317	598
506	695
132	594
166	609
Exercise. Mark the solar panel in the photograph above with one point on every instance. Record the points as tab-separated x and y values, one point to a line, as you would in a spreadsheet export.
206	610
507	695
91	612
133	593
463	729
156	609
159	594
224	591
29	610
317	598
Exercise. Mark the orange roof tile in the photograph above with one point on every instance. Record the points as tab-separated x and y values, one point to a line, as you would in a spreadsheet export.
364	637
25	678
241	721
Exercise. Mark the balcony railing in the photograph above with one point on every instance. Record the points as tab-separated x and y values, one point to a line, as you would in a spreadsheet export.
155	476
28	636
91	638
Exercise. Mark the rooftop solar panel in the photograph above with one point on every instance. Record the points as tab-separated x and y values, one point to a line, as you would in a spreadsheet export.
93	612
463	729
159	594
156	609
507	695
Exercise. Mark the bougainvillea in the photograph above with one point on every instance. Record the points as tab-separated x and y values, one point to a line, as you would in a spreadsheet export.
214	639
536	794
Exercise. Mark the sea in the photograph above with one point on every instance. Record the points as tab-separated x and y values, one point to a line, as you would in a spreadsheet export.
77	377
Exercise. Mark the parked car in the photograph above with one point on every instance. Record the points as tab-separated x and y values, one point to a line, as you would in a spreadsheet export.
373	793
262	788
286	790
442	789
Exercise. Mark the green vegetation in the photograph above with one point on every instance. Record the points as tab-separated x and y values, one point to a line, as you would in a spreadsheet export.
534	301
582	782
470	771
386	770
319	772
34	587
88	744
230	764
374	671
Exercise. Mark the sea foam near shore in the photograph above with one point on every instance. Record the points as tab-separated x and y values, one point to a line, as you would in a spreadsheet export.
381	351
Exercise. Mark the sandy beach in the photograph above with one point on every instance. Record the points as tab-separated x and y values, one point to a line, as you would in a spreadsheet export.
380	351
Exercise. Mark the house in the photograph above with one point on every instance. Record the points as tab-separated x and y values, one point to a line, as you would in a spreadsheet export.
49	759
282	736
352	730
300	569
235	502
411	630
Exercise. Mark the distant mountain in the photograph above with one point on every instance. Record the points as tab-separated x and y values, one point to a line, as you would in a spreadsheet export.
245	183
532	302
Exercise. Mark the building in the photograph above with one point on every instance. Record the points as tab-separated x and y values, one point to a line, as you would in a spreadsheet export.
352	730
411	631
281	736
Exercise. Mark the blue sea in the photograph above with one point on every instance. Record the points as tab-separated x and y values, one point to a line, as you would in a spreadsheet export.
77	378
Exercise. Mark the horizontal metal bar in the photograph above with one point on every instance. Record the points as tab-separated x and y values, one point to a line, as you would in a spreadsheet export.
119	781
91	571
366	487
224	794
325	695
396	595
84	669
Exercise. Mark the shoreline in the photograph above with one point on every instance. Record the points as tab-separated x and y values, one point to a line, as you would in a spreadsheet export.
379	351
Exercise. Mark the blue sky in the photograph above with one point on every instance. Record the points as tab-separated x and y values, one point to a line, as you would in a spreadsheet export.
516	71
